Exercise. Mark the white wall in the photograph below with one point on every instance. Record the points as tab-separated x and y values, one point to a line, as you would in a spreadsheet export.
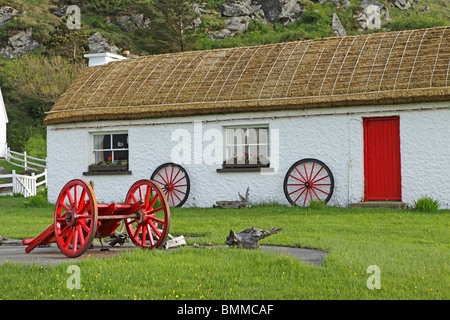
334	137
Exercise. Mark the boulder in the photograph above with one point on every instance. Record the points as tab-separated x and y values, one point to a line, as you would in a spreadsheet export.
402	4
130	23
19	45
6	14
283	11
337	27
372	14
98	44
236	8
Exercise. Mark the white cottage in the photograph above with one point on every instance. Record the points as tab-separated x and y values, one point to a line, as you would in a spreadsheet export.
3	123
344	120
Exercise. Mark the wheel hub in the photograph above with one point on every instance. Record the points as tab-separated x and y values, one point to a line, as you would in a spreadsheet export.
168	187
71	217
307	185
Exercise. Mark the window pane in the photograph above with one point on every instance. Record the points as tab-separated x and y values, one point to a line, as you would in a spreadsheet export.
102	141
120	141
120	156
102	156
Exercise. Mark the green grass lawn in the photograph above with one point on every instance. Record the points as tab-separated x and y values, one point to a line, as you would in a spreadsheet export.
411	249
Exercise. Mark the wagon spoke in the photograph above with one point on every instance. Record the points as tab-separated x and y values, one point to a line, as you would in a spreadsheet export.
156	219
300	175
134	198
178	172
150	235
315	194
296	178
155	229
296	190
75	239
320	190
83	195
69	238
153	211
312	170
69	195
141	193
312	180
321	179
84	207
299	195
162	178
80	231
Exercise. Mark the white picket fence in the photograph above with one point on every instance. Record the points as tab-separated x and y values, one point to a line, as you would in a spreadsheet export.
21	183
25	161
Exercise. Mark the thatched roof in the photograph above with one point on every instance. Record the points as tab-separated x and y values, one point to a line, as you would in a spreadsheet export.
379	68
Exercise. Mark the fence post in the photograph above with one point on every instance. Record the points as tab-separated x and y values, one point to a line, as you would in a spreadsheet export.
33	185
8	154
13	177
25	160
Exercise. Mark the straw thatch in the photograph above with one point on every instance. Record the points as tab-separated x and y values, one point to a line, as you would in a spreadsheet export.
380	68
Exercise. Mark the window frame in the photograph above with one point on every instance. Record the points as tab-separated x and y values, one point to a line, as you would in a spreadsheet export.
96	168
232	163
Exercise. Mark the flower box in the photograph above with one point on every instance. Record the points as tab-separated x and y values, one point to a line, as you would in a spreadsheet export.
246	164
108	167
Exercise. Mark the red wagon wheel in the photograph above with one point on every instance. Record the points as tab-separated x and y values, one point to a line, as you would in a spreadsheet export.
308	180
151	228
174	181
76	215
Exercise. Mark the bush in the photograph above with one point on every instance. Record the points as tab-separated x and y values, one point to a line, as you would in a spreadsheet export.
38	201
426	204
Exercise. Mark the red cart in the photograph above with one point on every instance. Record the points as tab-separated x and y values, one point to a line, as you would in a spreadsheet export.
79	218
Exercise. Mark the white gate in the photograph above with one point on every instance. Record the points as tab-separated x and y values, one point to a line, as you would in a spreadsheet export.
23	184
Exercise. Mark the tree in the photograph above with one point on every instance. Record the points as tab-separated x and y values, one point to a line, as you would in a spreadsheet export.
172	24
68	43
40	78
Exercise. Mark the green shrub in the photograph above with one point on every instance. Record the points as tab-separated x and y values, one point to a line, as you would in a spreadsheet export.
426	204
38	201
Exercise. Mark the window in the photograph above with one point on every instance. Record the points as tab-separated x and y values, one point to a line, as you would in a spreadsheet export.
246	147
109	153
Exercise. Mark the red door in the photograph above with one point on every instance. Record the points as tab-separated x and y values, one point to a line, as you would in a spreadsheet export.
382	171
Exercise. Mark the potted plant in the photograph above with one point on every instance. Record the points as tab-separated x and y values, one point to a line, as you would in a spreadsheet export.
246	161
109	165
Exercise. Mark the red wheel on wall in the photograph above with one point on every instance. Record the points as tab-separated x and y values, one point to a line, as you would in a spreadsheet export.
174	181
76	219
308	180
151	228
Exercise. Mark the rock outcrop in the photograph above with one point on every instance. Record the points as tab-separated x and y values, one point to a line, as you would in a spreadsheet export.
372	14
6	14
19	45
97	44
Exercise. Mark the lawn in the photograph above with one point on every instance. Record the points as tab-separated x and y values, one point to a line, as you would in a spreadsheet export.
410	248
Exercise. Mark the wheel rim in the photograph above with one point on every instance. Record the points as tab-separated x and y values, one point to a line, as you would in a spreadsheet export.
75	220
151	229
308	180
174	181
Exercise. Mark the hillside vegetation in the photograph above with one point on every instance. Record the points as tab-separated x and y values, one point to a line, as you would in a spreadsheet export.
40	55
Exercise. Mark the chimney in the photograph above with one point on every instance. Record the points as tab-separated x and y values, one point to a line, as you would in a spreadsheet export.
97	59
